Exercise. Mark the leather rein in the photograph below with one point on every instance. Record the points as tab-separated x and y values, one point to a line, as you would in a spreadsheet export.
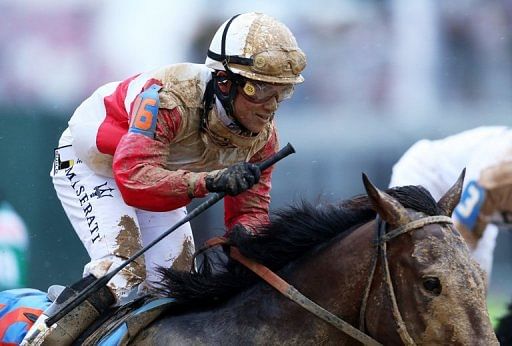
380	241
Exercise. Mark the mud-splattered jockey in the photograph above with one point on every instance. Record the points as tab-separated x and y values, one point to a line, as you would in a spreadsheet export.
138	151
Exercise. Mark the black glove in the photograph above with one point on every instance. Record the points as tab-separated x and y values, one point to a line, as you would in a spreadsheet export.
235	179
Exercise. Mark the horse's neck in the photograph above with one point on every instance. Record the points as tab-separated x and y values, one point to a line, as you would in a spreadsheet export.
259	315
337	276
334	277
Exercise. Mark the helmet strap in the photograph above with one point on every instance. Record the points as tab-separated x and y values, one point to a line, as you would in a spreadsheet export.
226	99
226	59
223	47
208	99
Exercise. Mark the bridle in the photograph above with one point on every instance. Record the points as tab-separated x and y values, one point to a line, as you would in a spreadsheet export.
380	242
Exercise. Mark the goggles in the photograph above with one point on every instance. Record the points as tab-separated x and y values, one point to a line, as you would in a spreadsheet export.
261	92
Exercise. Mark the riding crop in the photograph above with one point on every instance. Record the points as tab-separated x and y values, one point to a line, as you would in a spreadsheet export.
102	281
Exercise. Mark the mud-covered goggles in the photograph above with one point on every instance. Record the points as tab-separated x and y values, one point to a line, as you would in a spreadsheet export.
261	92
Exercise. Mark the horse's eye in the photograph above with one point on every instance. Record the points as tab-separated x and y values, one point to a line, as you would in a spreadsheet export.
433	285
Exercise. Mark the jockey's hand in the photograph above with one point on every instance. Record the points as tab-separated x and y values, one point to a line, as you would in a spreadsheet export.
482	199
237	228
235	179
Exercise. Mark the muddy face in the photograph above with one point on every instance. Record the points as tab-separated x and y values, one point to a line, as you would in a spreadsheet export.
446	298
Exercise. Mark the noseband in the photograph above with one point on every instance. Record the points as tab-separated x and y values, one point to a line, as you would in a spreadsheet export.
380	241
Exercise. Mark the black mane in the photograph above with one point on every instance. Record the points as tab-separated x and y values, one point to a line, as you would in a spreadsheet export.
291	233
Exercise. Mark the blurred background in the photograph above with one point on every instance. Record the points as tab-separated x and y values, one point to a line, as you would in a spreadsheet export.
381	74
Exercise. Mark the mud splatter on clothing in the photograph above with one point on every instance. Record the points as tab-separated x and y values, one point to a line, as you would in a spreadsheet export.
183	261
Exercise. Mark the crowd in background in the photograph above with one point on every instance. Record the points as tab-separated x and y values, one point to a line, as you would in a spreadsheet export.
393	56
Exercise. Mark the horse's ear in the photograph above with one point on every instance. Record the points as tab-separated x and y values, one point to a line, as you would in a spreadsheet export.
386	206
452	197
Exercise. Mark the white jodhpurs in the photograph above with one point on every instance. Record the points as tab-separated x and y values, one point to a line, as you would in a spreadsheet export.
112	231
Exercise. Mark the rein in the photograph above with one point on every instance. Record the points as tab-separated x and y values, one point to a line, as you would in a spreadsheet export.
293	294
290	292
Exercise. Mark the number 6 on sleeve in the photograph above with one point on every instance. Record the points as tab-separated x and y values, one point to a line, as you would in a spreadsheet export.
145	112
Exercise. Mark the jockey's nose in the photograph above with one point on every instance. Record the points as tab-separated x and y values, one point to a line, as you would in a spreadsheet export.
271	105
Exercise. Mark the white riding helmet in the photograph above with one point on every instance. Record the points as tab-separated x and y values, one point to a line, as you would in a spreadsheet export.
258	47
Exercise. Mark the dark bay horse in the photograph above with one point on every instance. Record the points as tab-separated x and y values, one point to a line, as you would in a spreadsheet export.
425	289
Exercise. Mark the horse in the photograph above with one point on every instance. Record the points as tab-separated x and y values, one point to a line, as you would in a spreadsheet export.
387	268
389	263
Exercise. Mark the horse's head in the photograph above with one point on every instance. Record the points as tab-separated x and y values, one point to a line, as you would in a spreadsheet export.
439	291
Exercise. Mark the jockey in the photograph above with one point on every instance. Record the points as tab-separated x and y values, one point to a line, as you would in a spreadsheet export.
138	151
486	152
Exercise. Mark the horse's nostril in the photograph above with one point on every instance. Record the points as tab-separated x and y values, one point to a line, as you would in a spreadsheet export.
433	285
